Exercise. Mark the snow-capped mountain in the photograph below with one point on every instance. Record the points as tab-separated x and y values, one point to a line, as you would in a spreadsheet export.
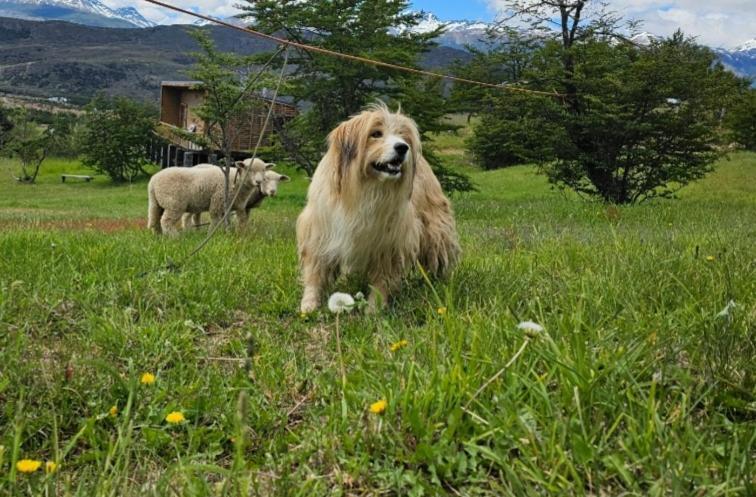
748	46
89	12
742	60
457	34
134	17
460	34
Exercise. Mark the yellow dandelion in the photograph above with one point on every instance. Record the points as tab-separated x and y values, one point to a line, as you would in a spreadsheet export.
398	345
710	258
379	407
441	311
51	467
28	465
147	379
175	417
113	411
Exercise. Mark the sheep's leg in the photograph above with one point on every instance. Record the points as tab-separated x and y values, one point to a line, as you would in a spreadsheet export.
154	213
242	217
186	220
170	222
197	219
216	216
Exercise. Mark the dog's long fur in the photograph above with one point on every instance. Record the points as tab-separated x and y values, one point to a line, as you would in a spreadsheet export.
369	221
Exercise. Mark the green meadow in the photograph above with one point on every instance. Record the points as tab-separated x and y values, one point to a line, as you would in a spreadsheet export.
642	381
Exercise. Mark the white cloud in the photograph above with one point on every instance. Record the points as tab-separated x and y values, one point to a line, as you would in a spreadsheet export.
721	23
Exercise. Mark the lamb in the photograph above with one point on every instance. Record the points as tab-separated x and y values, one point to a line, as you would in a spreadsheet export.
174	191
268	188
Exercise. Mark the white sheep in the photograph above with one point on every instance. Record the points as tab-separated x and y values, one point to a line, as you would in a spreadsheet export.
268	188
174	191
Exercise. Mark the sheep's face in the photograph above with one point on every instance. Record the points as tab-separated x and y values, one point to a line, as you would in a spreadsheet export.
269	186
254	171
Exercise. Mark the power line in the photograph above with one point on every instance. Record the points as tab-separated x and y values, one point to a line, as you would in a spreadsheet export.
354	58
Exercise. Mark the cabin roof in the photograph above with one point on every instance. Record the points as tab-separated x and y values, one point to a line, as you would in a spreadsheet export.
181	84
190	85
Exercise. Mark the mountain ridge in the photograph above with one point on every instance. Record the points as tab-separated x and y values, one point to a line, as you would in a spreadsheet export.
44	59
86	12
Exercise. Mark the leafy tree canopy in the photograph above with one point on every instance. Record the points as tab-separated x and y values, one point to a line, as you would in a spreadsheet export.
114	136
332	89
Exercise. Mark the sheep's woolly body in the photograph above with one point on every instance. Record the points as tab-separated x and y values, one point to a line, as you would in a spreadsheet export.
268	188
174	191
360	220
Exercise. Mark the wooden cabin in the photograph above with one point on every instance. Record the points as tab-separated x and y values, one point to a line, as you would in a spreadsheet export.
179	101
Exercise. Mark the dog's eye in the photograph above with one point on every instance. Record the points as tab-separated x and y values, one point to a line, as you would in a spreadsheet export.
376	134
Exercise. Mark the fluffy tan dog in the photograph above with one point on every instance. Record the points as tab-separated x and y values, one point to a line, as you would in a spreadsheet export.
374	208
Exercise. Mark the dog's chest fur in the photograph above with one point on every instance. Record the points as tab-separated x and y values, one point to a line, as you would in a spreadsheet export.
382	230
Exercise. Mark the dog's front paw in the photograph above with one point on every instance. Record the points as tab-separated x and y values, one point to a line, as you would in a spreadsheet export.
308	305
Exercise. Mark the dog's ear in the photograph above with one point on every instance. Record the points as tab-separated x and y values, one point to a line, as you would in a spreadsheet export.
417	152
343	143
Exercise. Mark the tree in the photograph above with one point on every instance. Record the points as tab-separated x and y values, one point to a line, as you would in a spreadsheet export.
634	122
228	80
6	125
741	119
114	137
30	143
506	55
332	88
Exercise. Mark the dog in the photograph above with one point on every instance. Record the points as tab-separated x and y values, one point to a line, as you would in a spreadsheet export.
374	208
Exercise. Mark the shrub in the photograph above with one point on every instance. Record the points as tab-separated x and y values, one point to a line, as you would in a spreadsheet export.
115	135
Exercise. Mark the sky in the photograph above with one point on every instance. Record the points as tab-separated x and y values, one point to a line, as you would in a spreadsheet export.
717	23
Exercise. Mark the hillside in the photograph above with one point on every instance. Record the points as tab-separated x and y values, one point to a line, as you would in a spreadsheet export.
58	58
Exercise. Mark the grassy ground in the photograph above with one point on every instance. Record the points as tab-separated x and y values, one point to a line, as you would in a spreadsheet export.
636	386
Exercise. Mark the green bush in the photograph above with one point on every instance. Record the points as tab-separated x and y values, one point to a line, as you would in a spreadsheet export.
115	135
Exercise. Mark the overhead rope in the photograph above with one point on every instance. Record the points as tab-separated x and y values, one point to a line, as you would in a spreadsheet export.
354	58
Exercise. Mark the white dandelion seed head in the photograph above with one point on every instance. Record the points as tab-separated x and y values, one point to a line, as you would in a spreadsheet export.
530	328
731	305
340	302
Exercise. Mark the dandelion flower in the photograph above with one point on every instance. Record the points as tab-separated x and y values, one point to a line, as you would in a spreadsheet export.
175	417
113	411
710	258
147	379
530	328
28	465
398	345
51	467
441	311
340	302
379	407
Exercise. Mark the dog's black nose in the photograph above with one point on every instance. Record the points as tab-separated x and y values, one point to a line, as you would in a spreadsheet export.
401	149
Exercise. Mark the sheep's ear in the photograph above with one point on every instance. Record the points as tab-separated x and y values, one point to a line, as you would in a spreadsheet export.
239	164
269	166
284	178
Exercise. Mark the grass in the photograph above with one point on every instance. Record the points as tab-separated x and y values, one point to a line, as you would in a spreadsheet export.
636	386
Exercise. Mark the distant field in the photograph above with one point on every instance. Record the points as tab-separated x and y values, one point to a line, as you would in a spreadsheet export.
643	382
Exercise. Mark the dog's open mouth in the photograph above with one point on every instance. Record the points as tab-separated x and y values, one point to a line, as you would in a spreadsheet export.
392	168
